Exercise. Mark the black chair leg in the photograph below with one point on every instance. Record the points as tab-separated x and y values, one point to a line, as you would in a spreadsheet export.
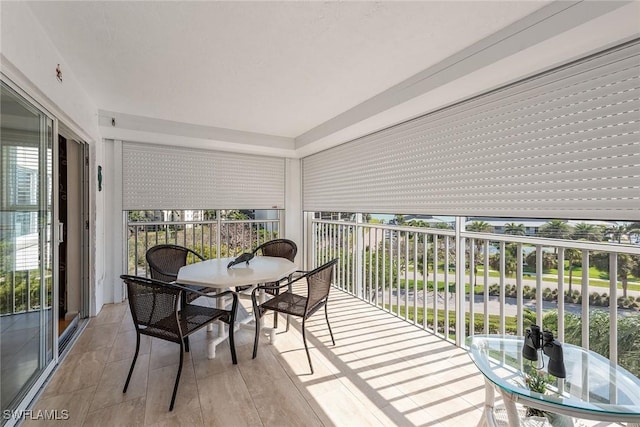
256	339
175	387
133	363
186	344
304	339
326	315
232	322
275	313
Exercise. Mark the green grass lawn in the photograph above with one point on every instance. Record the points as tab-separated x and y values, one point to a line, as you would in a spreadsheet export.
419	284
494	320
595	278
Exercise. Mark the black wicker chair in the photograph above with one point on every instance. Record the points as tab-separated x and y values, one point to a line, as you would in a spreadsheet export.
280	248
165	262
156	312
318	287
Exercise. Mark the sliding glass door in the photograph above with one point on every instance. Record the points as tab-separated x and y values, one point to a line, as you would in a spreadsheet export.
26	243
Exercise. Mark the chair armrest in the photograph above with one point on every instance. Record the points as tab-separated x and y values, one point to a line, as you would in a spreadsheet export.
267	287
298	274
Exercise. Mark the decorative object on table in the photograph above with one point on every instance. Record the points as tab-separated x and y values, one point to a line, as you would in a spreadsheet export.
245	257
279	248
536	381
536	340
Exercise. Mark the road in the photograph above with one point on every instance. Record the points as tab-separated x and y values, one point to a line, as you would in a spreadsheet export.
510	307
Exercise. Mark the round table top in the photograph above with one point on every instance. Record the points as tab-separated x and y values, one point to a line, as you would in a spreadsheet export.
215	274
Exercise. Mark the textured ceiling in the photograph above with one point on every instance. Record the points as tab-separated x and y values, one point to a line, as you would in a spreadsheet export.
275	68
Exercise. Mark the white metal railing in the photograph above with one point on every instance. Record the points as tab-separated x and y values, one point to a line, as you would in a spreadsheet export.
212	239
423	275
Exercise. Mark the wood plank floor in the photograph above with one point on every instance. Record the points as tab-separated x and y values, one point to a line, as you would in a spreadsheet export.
381	372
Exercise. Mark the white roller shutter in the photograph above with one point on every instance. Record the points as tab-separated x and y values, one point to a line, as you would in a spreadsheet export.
163	177
563	144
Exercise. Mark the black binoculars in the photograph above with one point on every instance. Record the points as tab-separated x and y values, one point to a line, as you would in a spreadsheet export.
534	340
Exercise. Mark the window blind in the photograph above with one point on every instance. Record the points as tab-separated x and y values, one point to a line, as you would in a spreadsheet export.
562	144
164	177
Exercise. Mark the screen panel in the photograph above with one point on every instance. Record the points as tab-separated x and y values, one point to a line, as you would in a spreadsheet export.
562	144
165	177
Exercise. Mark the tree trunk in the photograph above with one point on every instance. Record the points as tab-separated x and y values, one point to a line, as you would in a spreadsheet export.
570	277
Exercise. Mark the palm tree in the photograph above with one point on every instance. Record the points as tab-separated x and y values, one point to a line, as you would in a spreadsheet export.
627	265
633	229
617	232
442	225
581	231
480	227
584	231
555	229
515	229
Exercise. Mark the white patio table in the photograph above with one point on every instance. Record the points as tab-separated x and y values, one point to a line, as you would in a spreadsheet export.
214	273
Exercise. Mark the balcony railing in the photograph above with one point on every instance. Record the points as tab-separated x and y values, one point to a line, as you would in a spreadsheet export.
423	275
451	282
212	239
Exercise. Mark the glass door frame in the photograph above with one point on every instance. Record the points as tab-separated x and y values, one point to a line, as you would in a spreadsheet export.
52	230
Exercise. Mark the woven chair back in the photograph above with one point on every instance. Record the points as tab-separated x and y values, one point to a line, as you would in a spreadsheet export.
154	308
281	248
165	261
319	284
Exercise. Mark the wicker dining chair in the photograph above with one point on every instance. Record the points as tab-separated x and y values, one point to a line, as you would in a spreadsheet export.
318	286
279	248
156	312
165	262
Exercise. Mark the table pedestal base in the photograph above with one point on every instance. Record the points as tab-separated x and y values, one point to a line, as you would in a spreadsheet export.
244	320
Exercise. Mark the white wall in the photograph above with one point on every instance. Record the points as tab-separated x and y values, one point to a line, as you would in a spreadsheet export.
29	59
293	206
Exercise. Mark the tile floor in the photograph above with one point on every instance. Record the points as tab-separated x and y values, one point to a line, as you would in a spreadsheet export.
382	372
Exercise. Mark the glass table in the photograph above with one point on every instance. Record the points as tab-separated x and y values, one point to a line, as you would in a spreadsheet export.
595	388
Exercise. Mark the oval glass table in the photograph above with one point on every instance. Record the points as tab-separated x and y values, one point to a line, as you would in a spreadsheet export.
594	388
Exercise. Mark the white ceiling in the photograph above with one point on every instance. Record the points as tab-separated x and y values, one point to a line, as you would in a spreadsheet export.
282	69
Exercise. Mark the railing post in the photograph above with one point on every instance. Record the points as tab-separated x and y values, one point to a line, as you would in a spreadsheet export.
561	294
539	272
219	233
359	255
460	282
312	231
613	307
519	298
584	292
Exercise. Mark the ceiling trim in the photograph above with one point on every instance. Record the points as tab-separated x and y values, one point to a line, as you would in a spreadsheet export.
129	127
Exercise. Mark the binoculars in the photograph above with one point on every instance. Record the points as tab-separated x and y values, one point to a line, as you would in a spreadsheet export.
535	340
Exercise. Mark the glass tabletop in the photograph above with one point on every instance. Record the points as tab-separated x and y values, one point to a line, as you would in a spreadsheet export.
593	383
